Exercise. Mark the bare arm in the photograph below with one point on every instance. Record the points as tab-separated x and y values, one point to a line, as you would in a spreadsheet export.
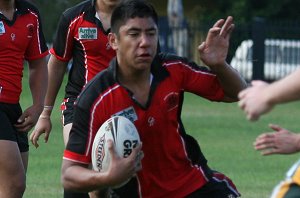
38	85
56	71
213	53
262	97
78	177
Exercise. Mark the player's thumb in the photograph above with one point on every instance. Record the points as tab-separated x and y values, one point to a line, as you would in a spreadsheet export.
201	47
21	119
275	127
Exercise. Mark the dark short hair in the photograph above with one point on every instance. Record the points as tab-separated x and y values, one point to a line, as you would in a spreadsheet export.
130	9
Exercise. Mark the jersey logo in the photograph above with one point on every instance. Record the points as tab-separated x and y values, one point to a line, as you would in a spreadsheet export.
87	33
2	28
128	113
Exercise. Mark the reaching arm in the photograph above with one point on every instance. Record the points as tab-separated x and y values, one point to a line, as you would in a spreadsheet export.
213	53
38	85
262	97
56	70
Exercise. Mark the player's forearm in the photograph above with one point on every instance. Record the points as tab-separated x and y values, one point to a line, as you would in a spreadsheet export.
56	72
231	81
38	81
285	90
77	178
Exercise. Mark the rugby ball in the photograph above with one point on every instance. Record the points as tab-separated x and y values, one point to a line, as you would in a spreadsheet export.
124	135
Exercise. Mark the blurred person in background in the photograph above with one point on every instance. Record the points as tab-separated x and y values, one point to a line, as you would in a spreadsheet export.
178	27
81	36
21	39
260	99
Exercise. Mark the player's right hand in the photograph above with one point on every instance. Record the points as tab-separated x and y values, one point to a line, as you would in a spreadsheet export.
43	125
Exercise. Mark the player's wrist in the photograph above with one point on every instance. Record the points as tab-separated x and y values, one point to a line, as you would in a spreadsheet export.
44	117
48	107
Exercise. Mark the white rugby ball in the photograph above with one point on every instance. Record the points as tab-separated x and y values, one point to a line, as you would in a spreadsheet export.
124	135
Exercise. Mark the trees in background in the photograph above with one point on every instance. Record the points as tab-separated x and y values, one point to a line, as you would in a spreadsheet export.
203	11
50	13
243	10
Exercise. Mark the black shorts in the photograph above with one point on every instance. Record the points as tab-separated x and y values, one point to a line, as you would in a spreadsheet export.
67	109
219	186
9	114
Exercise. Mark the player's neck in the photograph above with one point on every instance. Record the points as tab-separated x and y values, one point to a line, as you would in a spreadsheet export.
138	82
104	13
104	8
7	8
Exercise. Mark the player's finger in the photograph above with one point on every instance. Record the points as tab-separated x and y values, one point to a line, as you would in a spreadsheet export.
243	93
47	132
111	149
34	138
275	127
219	23
269	151
201	47
241	104
226	27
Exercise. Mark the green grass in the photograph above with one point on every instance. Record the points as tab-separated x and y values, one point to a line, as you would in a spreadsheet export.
224	134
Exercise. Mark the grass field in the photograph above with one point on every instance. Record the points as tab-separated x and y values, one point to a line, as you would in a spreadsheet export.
221	129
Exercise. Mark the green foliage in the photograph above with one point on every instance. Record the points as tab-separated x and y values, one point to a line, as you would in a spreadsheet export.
50	12
224	134
245	10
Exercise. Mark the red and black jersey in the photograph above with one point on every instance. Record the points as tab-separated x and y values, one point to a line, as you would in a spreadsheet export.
81	37
168	170
20	39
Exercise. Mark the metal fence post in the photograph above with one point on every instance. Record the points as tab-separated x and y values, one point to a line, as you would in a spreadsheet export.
258	56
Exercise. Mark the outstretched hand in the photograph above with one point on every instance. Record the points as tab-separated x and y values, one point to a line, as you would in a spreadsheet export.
213	51
280	141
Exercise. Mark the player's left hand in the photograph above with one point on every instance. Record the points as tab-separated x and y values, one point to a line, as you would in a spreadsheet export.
28	119
213	51
280	141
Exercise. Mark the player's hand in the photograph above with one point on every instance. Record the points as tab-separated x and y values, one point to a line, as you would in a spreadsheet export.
43	125
280	141
254	100
121	168
28	119
213	51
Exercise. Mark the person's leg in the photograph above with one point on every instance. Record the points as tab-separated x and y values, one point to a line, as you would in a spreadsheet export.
12	172
66	132
67	118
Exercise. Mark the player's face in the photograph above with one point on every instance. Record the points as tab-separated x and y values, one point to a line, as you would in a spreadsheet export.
136	44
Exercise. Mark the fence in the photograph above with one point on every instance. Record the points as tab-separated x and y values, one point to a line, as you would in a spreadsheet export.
261	49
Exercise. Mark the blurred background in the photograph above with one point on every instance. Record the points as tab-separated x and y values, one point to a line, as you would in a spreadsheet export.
264	45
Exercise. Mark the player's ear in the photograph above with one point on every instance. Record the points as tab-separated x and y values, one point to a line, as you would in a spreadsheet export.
113	41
